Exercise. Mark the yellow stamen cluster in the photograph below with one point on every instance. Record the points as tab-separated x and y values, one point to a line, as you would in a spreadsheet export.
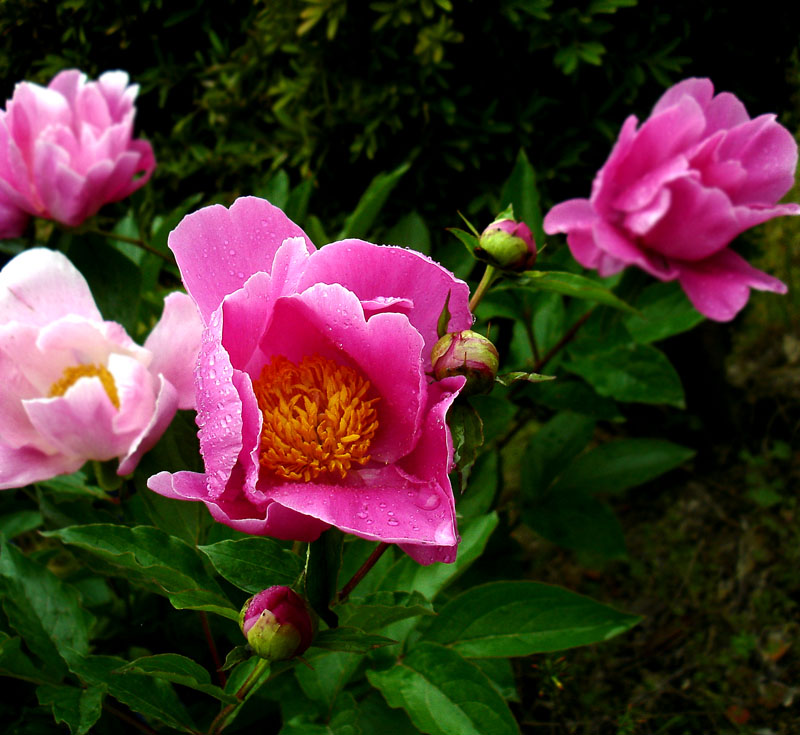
74	373
317	418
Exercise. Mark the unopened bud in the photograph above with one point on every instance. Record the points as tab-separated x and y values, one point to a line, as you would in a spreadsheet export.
466	353
508	244
277	624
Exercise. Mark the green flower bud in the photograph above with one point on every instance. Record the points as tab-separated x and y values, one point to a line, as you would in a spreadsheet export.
466	353
508	244
277	624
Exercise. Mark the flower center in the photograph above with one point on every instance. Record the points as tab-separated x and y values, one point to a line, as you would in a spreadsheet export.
74	373
316	418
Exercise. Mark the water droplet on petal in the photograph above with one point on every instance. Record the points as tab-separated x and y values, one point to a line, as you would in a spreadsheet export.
393	522
427	500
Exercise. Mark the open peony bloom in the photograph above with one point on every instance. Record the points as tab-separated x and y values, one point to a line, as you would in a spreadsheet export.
75	387
67	149
314	399
676	191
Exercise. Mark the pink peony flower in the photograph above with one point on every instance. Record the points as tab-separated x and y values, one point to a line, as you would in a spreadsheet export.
67	149
75	387
315	404
675	192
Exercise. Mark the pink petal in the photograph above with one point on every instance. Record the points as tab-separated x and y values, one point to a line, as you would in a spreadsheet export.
724	112
20	467
701	90
719	286
218	249
570	215
175	342
620	247
387	271
165	407
13	220
39	286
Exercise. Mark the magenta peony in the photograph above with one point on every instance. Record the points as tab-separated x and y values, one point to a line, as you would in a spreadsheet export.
75	387
315	402
67	149
676	191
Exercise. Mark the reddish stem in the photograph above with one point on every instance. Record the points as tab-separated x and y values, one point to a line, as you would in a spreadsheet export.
362	572
213	648
569	335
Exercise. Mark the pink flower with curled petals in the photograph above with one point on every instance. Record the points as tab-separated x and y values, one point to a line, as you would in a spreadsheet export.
75	387
67	149
315	403
676	191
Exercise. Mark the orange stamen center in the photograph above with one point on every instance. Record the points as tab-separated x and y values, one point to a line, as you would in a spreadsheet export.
316	418
74	373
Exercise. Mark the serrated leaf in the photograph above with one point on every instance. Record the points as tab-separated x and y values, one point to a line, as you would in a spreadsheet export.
444	694
78	708
618	465
145	695
43	609
148	556
350	640
503	619
379	609
253	564
569	284
179	670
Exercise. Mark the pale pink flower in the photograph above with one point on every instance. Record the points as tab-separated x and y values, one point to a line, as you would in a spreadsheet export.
75	387
676	191
67	149
315	402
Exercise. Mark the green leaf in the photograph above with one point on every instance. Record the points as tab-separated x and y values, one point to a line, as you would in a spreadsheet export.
150	557
75	484
570	394
179	670
618	465
236	656
162	226
351	640
373	713
511	378
328	675
444	318
43	609
664	311
522	193
145	695
13	662
379	609
478	496
500	672
411	232
408	575
629	372
552	448
14	524
444	694
358	224
466	428
322	573
78	708
469	240
569	284
253	564
522	618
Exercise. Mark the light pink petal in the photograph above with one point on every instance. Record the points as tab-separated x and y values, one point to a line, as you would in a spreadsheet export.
724	112
119	96
91	107
375	271
570	215
89	341
20	467
719	286
248	462
175	342
620	247
39	286
13	220
68	83
136	392
218	249
165	407
700	90
79	424
62	190
768	152
16	429
328	321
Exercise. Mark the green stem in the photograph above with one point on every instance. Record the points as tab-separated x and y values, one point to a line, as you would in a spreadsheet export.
362	572
569	335
131	240
219	722
489	276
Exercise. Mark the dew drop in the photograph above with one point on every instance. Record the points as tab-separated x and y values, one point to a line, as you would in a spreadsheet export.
393	522
382	506
428	501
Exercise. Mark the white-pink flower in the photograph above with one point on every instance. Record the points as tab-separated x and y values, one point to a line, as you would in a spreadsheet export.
74	387
67	149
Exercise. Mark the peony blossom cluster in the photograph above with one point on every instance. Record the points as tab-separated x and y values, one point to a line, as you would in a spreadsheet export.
67	149
314	398
76	387
677	190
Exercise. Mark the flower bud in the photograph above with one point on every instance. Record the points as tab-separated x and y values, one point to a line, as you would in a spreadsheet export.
466	353
277	624
508	244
